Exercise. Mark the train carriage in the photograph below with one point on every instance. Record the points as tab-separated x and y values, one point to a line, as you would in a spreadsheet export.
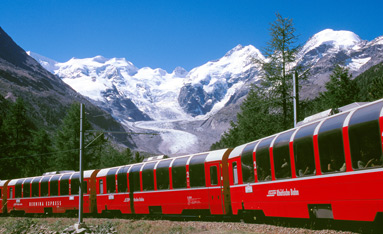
113	190
3	196
52	193
331	168
192	184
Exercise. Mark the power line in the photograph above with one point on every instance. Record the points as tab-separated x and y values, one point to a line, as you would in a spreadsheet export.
36	155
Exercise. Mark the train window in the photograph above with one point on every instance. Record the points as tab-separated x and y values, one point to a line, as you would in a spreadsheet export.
281	154
75	184
27	187
330	142
44	186
262	158
18	188
134	178
122	181
213	175
235	173
197	170
247	163
148	176
1	194
64	185
111	180
101	186
179	172
85	187
304	151
10	192
162	173
365	140
54	185
36	187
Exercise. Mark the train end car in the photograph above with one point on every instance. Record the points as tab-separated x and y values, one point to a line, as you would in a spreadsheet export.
327	169
3	196
50	194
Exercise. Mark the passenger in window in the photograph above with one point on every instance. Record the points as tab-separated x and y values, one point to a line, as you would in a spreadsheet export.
285	169
371	163
331	166
343	168
364	163
305	172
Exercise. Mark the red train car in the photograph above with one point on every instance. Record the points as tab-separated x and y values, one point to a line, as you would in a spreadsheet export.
52	193
191	184
3	196
331	168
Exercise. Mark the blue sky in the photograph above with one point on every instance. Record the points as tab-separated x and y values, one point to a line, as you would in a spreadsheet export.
168	34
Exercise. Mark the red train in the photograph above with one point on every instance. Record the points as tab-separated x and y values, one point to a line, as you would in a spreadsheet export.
330	168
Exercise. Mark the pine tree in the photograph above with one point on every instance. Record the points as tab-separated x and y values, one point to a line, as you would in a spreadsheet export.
257	119
111	157
41	149
67	143
17	134
280	52
128	155
138	158
341	90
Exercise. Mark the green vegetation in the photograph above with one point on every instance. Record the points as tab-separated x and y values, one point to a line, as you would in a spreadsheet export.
259	119
280	51
370	83
268	107
29	151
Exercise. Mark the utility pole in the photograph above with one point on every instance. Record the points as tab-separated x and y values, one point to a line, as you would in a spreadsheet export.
80	200
78	226
295	100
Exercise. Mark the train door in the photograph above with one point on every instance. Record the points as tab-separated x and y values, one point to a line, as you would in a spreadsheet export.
3	196
214	172
134	184
123	190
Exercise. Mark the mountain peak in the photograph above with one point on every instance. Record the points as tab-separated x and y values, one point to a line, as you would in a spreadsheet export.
14	54
235	49
341	39
47	63
180	72
100	59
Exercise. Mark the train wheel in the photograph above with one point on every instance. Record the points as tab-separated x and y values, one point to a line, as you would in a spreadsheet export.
253	216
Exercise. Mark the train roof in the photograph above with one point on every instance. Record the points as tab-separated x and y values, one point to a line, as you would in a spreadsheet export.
87	174
322	116
211	156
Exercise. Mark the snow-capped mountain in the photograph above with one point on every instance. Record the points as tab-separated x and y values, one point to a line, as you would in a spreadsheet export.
154	93
209	87
201	103
327	48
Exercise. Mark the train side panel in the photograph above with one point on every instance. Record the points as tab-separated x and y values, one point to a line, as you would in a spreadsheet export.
328	169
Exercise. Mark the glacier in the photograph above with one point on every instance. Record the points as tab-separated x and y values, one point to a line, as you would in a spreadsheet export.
178	104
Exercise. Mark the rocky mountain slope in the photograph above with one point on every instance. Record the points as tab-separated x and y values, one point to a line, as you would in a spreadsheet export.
191	109
46	96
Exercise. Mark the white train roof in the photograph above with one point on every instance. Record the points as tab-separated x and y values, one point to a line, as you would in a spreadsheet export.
88	173
237	151
215	155
12	182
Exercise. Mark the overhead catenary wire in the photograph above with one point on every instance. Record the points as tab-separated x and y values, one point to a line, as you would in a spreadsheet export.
37	155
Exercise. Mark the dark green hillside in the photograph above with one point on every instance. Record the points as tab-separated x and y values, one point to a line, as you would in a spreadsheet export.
46	97
370	83
256	120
